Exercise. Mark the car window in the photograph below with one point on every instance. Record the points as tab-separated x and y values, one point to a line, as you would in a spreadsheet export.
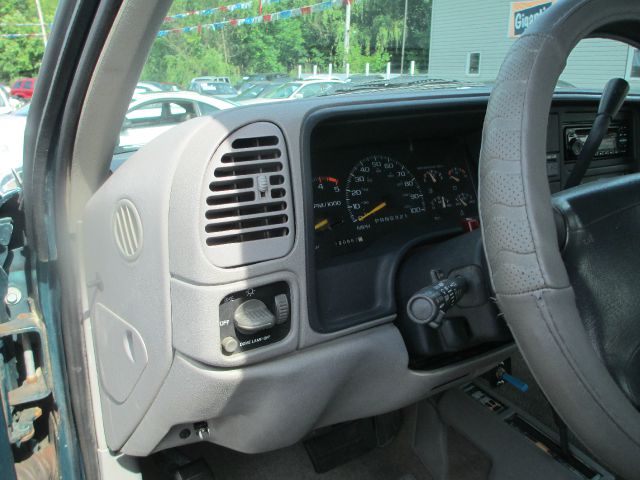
159	113
22	112
635	65
217	88
285	91
310	90
28	84
252	92
18	84
177	109
207	109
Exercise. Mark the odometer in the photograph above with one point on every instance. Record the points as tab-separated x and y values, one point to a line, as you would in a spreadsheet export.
381	190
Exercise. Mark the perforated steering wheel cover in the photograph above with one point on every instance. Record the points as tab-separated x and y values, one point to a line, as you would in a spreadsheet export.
527	270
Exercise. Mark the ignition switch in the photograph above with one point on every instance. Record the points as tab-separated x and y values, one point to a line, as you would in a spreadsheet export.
429	305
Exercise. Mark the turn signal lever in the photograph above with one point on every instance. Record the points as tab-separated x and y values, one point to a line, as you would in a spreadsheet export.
429	305
615	91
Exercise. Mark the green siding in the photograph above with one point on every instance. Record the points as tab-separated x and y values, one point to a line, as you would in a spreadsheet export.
460	27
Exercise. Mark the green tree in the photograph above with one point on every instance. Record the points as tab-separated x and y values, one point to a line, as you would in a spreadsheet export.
316	39
21	57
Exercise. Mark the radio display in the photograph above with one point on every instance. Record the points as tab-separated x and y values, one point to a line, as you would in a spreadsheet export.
609	142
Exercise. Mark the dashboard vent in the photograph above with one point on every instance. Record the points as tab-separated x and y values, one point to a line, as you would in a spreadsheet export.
247	198
127	229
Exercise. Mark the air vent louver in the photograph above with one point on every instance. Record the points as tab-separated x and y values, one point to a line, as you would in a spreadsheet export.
247	198
127	229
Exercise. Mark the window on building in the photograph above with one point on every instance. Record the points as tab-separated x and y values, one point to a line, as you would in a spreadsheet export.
635	65
473	63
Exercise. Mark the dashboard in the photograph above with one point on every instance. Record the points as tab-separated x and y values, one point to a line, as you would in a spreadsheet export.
388	192
280	247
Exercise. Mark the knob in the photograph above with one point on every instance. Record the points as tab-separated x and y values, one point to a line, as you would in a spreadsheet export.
229	344
281	307
429	305
253	316
575	145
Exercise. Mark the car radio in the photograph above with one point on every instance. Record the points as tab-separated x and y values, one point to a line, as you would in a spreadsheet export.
614	144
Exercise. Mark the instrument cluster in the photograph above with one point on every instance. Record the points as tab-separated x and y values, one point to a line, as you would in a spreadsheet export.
386	194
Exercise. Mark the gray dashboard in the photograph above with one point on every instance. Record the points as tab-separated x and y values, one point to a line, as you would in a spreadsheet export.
178	234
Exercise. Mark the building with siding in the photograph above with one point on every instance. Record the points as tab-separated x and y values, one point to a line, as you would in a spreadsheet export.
458	51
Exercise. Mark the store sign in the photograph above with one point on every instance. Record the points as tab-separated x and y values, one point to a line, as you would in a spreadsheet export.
523	14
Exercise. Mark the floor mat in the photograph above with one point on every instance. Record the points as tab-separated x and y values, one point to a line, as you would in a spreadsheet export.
466	461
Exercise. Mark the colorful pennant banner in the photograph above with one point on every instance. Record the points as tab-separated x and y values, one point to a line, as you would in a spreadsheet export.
269	17
212	11
208	11
264	18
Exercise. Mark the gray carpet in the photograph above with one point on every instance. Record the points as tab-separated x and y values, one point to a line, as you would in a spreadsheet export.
466	461
395	461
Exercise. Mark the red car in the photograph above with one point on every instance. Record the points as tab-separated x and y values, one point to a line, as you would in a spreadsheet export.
23	88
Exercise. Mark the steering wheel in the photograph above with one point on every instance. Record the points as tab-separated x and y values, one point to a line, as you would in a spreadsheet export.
573	305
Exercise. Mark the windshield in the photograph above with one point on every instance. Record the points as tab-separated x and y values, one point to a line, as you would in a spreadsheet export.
257	51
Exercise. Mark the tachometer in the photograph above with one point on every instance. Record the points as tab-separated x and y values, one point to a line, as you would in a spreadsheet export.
382	190
327	202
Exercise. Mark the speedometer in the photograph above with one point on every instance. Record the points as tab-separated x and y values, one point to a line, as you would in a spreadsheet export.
382	190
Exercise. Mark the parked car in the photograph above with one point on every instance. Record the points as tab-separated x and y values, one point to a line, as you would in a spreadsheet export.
258	90
143	88
154	113
12	128
361	78
211	79
146	118
6	102
23	88
250	80
14	102
295	90
212	88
